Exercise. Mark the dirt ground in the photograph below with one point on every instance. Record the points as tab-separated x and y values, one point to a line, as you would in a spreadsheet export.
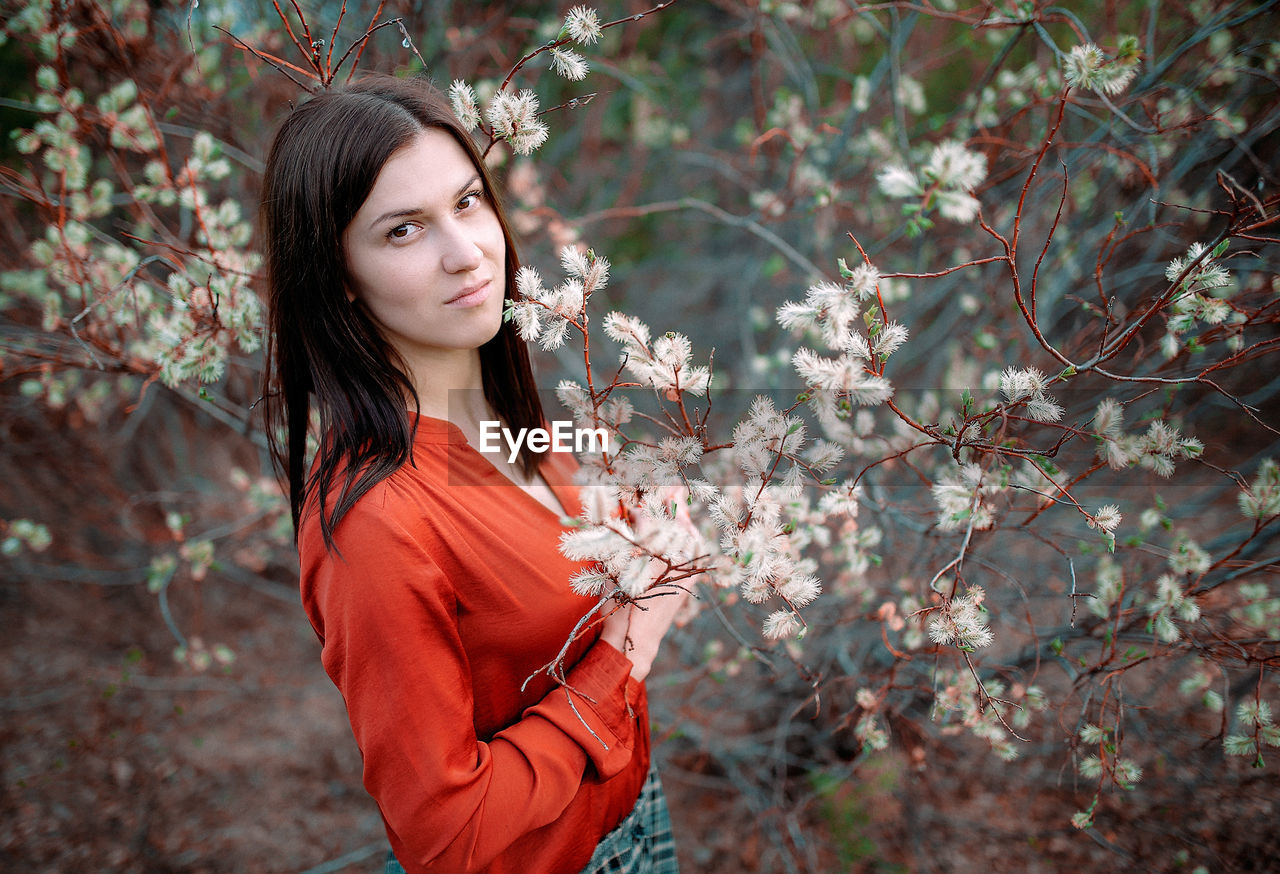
117	759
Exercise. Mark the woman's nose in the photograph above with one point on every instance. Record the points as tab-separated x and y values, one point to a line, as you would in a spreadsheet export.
461	250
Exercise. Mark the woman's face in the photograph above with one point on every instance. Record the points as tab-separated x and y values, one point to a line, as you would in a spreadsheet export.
425	253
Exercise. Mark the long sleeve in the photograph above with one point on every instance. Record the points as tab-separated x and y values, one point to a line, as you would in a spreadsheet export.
390	618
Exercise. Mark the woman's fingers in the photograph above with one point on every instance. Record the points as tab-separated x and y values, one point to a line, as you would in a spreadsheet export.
616	621
651	617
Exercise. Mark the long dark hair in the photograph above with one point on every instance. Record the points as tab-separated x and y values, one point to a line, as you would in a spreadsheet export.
323	164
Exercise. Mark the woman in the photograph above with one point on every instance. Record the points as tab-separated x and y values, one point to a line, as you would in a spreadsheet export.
430	572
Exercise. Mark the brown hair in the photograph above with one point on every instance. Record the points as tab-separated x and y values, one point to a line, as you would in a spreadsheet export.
323	163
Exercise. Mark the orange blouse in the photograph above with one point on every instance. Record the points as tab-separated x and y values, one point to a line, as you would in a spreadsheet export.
445	592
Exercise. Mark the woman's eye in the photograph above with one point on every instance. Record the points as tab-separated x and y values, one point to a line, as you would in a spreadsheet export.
470	199
399	232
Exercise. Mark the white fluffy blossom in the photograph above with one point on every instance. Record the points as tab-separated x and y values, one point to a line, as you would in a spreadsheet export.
950	174
891	337
1044	409
1206	275
1262	499
800	589
961	621
465	106
845	375
627	330
1171	602
1027	386
665	364
545	315
823	455
898	181
1108	419
583	25
1109	585
841	500
953	166
569	64
1086	66
514	117
959	206
959	495
781	625
863	280
1107	518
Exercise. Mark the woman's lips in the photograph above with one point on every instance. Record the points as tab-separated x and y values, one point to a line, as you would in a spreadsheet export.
472	295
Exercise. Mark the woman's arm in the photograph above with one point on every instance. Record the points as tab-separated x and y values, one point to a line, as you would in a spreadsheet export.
388	618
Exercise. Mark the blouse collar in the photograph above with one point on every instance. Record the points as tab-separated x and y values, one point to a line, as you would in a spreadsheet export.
436	431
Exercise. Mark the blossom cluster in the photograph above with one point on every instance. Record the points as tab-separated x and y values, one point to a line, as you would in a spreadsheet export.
1086	66
1254	717
963	497
1026	386
962	621
1203	289
1261	500
755	517
1158	449
545	315
1125	771
945	182
833	315
20	533
962	704
515	116
179	315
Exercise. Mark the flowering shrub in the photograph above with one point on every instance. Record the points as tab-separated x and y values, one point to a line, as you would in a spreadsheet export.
980	450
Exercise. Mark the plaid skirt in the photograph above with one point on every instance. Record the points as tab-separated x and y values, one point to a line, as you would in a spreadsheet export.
641	844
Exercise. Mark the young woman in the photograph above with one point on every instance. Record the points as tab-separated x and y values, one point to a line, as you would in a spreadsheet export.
429	571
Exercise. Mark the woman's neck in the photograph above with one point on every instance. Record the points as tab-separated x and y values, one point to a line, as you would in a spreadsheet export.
451	387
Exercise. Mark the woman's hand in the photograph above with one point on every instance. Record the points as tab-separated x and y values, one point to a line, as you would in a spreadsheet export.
651	616
638	628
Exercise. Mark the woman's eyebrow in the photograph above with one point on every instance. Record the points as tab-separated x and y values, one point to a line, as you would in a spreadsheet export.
470	183
406	212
